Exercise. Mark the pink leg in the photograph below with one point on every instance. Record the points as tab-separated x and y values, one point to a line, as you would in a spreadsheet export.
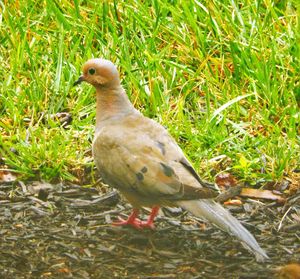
132	220
150	222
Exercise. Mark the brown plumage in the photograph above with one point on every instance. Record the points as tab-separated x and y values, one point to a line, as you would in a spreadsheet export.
137	156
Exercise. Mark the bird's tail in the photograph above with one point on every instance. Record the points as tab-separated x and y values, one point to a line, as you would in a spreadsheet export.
221	217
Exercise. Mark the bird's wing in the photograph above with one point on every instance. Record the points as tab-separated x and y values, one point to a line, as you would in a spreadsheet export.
138	155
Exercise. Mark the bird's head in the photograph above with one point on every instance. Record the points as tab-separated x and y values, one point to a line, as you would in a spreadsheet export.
99	73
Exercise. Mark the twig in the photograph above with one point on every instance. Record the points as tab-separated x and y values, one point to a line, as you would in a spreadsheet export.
284	215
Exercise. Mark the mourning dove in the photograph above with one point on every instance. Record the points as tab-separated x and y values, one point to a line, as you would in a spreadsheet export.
137	156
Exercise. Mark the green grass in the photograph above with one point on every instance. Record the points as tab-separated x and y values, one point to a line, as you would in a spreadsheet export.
223	77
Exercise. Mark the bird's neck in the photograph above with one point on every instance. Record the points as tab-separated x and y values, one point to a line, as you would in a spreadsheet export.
111	103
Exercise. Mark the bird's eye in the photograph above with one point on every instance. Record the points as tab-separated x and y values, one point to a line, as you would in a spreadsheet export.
92	71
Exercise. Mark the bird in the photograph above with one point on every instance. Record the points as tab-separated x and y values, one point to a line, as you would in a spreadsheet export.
137	156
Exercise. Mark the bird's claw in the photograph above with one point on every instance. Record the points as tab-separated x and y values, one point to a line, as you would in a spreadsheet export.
136	223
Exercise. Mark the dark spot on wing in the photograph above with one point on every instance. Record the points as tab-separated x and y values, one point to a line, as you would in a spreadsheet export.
139	176
161	146
144	170
167	170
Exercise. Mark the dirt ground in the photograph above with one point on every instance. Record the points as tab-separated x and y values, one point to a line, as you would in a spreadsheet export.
65	231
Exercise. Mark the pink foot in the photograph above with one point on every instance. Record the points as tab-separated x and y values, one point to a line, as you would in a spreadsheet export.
150	222
137	223
147	224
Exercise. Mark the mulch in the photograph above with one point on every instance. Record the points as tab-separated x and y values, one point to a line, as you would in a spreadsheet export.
65	231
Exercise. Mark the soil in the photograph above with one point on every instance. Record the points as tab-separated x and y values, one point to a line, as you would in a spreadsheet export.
65	231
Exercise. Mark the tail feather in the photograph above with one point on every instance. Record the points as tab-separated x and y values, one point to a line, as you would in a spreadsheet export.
218	215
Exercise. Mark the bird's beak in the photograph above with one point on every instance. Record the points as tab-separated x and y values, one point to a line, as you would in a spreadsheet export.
78	81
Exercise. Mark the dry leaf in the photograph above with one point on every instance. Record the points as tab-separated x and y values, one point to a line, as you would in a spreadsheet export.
225	180
186	269
7	176
233	202
19	226
63	270
261	194
203	226
289	271
295	182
